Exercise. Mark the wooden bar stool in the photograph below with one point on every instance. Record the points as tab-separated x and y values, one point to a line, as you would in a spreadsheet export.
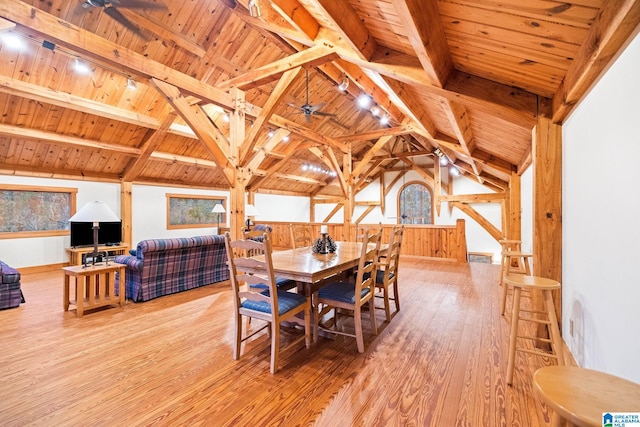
522	282
580	396
509	245
524	267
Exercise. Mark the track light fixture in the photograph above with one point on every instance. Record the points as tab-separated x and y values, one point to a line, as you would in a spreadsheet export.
255	8
364	100
344	85
81	66
131	83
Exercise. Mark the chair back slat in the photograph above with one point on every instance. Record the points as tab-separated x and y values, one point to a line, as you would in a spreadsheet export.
255	295
300	235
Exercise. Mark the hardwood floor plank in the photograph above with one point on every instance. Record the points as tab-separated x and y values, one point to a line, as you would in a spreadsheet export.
441	361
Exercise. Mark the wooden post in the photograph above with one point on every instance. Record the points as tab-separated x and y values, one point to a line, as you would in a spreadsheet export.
515	207
240	176
349	200
126	201
547	207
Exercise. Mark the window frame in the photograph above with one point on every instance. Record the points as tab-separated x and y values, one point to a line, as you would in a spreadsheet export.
399	197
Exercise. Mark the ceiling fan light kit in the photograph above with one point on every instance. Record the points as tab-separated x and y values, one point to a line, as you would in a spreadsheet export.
310	110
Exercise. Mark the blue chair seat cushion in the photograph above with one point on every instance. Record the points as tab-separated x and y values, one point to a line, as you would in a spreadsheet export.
287	301
341	291
379	276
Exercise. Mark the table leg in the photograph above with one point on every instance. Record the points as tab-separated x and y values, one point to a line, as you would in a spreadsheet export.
122	291
65	298
81	289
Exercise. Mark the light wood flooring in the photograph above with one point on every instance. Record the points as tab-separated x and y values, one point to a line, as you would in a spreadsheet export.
441	361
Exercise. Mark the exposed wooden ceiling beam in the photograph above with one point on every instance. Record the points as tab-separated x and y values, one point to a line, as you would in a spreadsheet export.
346	27
373	134
297	16
615	23
423	24
6	25
196	118
274	24
21	132
312	56
254	163
267	110
299	178
76	103
146	22
369	155
103	51
148	147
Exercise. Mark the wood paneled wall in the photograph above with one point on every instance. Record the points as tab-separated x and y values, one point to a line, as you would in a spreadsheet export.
433	241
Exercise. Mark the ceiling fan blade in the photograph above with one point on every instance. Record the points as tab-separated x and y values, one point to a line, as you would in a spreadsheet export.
115	14
307	118
317	107
321	113
137	4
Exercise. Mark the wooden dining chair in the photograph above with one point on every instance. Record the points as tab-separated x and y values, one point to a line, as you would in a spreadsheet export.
258	236
387	273
253	300
300	235
352	296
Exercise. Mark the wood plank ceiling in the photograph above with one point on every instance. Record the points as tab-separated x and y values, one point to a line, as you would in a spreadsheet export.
470	77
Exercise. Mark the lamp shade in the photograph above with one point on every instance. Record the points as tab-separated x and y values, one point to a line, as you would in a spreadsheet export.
250	210
94	212
218	208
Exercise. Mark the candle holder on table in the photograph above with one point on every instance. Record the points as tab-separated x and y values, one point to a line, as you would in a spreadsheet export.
325	244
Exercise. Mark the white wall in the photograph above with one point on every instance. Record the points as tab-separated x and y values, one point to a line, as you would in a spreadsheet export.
282	208
478	240
52	250
148	219
601	201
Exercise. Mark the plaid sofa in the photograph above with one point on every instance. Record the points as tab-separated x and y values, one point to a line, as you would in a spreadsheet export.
166	266
10	293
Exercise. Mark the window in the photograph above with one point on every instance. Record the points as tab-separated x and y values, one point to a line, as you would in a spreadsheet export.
415	204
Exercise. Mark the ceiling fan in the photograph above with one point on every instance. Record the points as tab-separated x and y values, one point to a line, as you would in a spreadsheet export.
310	110
110	7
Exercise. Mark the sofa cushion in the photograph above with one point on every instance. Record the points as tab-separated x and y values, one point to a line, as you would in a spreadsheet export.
166	266
9	274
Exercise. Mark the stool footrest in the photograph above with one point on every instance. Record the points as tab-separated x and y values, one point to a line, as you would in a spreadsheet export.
529	337
533	319
538	353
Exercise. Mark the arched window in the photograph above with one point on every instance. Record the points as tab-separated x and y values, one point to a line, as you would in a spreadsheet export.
415	204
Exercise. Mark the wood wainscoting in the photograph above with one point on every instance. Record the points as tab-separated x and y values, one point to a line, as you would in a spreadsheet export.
443	242
440	361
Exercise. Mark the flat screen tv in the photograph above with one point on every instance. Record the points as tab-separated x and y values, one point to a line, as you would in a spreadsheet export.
110	233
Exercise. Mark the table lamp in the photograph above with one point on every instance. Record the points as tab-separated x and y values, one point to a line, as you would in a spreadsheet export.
218	209
95	212
249	211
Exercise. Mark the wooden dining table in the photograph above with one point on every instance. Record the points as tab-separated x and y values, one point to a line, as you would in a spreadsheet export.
313	270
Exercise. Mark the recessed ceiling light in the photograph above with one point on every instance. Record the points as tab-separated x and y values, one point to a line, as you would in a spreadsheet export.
384	120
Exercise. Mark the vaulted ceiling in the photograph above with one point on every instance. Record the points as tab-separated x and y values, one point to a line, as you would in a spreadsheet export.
468	77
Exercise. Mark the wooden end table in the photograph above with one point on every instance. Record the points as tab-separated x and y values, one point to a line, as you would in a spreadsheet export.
95	286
